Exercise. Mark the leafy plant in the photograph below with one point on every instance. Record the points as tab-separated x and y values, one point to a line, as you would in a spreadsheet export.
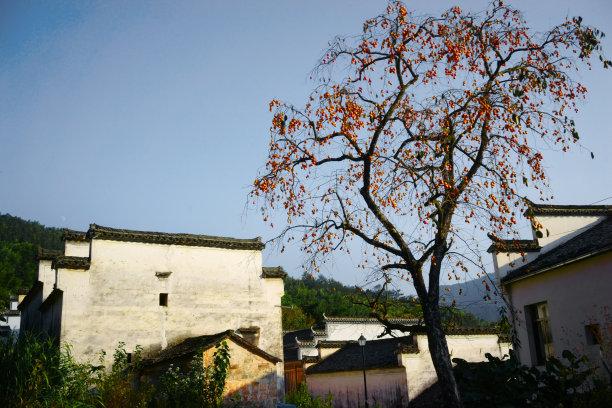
507	383
302	398
201	386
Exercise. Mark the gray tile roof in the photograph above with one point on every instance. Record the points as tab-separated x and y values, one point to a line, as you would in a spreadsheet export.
379	354
368	320
596	240
276	272
190	346
513	245
72	235
114	234
559	210
47	254
71	262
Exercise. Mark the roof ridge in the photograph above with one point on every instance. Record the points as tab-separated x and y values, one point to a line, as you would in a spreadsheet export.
524	270
559	209
116	234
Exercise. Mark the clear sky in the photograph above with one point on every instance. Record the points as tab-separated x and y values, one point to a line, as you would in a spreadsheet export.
153	115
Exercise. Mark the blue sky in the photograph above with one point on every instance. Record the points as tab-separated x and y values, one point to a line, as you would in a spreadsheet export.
154	115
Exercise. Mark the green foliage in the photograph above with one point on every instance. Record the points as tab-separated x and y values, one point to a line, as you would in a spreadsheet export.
117	388
19	242
507	383
311	297
200	387
30	369
302	399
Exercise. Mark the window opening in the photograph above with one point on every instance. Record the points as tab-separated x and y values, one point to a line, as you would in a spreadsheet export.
542	335
163	299
593	334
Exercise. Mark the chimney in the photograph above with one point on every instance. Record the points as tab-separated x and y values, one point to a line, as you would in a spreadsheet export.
250	334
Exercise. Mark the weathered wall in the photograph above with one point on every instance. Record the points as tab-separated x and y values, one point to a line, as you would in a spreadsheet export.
577	294
47	276
352	331
209	290
386	387
257	380
30	315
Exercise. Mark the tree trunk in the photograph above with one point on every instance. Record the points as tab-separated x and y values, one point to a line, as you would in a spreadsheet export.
438	348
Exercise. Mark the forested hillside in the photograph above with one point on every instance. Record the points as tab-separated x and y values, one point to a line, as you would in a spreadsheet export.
19	242
306	299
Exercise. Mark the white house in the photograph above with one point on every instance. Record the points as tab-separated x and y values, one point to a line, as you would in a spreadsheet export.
10	319
560	285
154	290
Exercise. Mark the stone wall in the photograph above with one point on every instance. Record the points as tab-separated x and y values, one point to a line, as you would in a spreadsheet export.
256	380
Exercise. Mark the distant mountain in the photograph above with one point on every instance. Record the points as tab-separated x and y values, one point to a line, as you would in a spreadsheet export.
19	242
470	297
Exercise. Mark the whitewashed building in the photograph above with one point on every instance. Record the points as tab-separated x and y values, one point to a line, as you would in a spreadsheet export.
560	284
398	365
154	290
10	319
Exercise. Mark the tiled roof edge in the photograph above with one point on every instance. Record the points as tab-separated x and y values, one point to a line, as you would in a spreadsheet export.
569	210
72	235
367	320
522	274
273	272
71	262
513	245
47	254
114	234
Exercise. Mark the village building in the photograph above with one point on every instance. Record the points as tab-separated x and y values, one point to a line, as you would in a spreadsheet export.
156	290
10	319
559	283
253	374
305	347
398	365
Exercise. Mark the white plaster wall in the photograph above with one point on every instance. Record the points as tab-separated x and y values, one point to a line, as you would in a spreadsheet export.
560	230
13	322
76	248
577	294
307	351
352	331
47	276
209	290
503	260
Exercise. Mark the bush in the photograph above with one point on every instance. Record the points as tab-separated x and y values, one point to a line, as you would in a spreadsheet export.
35	373
505	382
302	399
201	386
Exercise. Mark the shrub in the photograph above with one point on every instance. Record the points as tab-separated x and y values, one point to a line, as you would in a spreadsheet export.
201	386
302	398
505	382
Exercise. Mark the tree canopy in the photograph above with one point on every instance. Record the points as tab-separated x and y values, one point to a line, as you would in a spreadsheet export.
19	242
418	130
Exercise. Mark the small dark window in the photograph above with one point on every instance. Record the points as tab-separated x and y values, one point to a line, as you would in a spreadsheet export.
129	358
593	334
163	299
542	348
